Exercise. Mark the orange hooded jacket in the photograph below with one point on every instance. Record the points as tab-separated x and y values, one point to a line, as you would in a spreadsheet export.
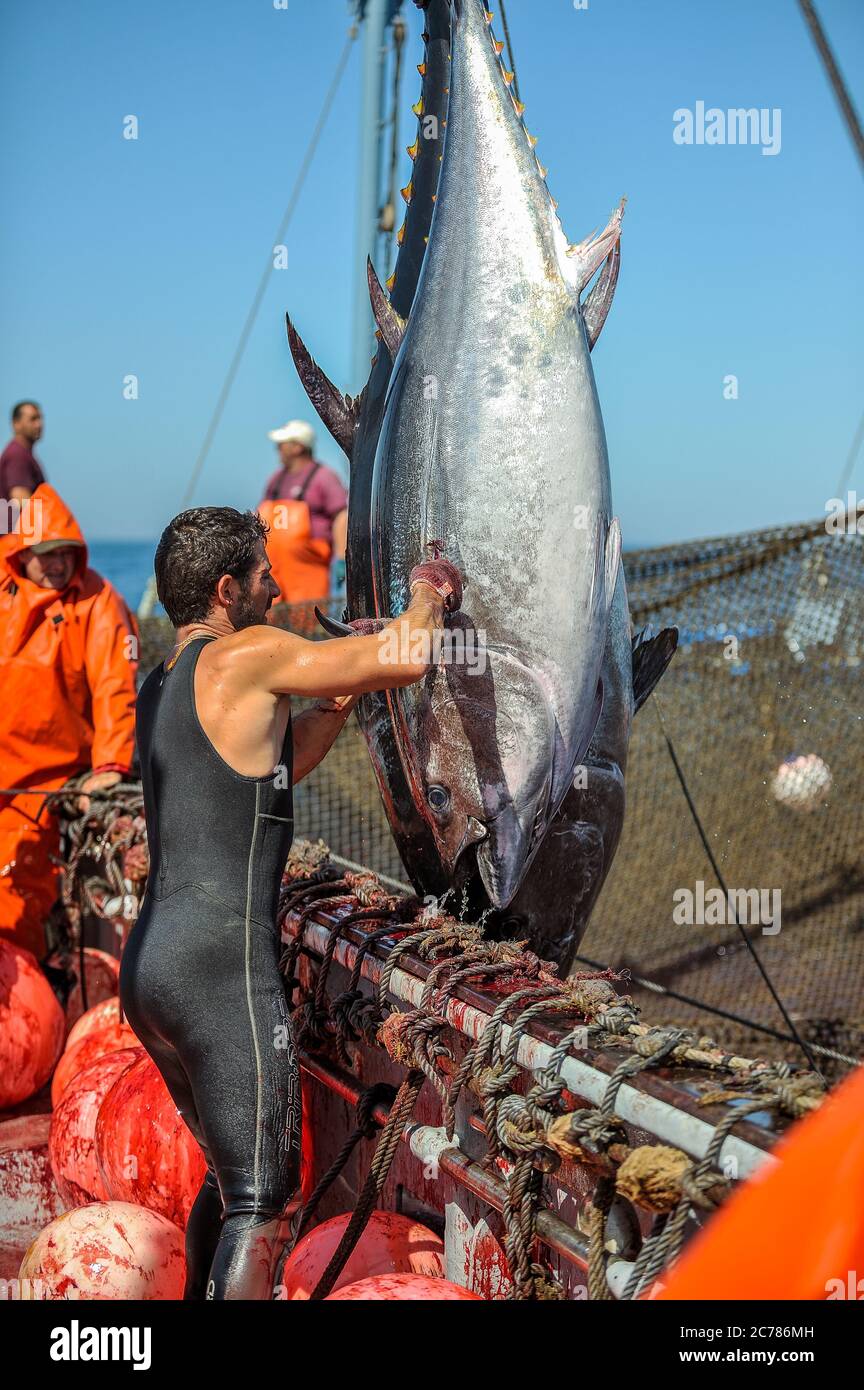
68	662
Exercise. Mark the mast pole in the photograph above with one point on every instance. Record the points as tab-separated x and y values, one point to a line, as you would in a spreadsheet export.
376	16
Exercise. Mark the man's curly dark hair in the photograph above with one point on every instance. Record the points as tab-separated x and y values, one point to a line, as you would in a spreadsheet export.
195	550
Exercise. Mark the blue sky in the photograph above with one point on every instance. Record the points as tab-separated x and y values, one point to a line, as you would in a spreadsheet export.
142	256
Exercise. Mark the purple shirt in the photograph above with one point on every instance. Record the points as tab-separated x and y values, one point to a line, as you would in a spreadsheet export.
325	496
19	467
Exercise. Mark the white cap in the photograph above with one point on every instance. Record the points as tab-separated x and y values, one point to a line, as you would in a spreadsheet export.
295	432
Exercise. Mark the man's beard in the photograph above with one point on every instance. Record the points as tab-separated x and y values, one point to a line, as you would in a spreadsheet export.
245	614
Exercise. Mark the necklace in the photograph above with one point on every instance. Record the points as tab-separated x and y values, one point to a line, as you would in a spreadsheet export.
193	637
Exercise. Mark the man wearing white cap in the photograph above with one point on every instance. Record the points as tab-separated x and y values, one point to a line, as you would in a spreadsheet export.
306	508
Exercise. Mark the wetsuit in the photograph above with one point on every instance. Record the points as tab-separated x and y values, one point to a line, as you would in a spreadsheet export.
200	984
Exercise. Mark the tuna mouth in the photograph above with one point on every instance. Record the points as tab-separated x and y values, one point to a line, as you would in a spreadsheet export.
511	841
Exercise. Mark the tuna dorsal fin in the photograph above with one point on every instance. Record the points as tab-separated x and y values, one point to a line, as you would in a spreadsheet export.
651	656
599	300
339	412
391	324
589	255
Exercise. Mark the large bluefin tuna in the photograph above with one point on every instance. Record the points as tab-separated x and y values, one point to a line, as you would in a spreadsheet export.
493	443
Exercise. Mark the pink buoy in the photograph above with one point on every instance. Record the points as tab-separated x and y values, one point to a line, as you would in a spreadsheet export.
385	1288
31	1026
93	1045
144	1151
98	1017
390	1244
101	974
108	1250
72	1140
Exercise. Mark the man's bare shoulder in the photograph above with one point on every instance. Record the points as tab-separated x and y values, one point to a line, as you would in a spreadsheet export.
249	650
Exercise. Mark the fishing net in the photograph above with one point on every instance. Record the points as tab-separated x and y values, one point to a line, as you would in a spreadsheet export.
762	705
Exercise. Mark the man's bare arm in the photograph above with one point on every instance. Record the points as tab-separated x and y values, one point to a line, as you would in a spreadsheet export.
398	655
316	730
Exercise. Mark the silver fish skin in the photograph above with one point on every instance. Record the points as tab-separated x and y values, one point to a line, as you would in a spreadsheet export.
493	442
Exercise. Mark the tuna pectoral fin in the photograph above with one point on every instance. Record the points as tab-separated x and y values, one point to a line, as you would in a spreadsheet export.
590	254
607	558
339	412
651	656
391	324
600	296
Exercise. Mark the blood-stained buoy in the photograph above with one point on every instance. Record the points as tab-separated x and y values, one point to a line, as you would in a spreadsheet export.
386	1288
101	974
111	1038
144	1151
390	1244
31	1026
98	1017
72	1140
108	1250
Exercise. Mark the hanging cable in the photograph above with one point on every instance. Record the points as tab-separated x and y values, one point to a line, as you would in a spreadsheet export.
835	77
146	606
853	454
510	58
720	879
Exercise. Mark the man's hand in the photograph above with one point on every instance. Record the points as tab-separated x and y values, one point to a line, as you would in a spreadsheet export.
316	730
337	704
99	782
443	577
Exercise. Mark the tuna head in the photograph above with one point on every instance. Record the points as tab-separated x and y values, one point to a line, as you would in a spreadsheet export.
483	736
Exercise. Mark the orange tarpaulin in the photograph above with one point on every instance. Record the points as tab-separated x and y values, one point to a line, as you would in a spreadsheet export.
67	669
794	1230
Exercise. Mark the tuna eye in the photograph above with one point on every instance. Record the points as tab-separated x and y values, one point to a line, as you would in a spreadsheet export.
438	798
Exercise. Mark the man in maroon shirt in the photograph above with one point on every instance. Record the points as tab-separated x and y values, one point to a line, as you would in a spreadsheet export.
306	508
20	470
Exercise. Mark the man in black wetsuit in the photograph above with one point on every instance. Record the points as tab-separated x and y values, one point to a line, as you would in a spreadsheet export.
219	751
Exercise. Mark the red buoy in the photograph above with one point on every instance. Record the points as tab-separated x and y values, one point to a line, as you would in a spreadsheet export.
390	1244
101	974
144	1151
31	1026
108	1039
98	1017
108	1250
385	1288
72	1140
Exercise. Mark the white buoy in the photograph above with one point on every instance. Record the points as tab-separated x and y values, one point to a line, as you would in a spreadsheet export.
802	782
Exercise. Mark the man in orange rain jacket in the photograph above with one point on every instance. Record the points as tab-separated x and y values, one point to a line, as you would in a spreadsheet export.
795	1230
68	659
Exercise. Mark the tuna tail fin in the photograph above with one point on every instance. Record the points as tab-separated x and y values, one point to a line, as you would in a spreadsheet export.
338	412
600	296
651	656
391	324
589	255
